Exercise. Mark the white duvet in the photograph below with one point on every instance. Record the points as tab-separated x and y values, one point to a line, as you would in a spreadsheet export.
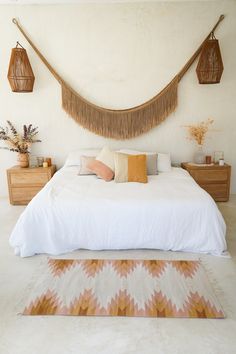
170	212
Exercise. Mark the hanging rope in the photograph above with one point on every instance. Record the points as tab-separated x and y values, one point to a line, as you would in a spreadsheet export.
121	123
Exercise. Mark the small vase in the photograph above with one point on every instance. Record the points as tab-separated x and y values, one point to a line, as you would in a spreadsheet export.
23	160
199	156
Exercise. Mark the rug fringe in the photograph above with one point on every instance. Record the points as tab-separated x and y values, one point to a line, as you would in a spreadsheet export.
218	290
18	308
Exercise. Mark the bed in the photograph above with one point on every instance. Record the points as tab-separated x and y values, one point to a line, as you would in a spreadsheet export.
170	212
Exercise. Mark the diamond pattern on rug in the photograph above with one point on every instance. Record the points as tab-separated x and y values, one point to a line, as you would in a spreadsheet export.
92	266
60	266
123	267
188	268
140	288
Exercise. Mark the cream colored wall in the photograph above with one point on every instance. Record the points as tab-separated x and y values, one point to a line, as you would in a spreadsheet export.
120	55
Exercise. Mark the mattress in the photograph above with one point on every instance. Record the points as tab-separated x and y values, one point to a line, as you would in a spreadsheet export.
170	212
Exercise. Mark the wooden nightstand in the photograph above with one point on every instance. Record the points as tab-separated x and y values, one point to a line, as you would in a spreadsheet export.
214	179
25	183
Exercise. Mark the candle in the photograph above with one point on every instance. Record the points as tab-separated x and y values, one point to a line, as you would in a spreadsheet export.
48	160
45	164
221	162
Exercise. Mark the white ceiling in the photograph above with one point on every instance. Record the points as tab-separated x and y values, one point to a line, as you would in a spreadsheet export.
28	2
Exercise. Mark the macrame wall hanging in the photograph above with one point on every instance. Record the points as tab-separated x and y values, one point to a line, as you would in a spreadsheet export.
124	123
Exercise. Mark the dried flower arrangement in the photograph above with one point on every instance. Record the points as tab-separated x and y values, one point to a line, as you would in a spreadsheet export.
198	132
17	142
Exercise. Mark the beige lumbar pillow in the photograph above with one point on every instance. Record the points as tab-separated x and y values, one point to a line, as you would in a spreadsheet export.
106	156
130	168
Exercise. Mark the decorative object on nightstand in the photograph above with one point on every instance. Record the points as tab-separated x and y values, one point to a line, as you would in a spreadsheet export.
19	143
208	159
215	179
40	160
33	161
218	155
199	155
24	184
48	160
197	132
23	159
221	162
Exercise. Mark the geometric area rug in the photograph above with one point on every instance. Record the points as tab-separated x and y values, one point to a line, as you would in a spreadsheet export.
108	287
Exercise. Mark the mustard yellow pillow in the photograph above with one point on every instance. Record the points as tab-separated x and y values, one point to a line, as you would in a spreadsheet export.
130	168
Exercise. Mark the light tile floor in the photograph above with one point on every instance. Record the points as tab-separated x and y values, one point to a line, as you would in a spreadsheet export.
93	335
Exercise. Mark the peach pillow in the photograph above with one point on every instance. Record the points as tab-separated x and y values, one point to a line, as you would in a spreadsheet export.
101	170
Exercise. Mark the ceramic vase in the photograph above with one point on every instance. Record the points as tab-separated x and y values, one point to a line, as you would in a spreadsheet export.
23	160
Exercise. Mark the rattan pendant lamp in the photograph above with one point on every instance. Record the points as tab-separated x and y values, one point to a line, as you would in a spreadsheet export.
20	73
210	66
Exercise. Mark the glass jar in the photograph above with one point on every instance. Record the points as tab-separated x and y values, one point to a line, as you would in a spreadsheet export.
199	156
33	162
40	161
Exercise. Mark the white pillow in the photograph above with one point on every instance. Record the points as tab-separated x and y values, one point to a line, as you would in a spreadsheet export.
74	157
136	152
163	162
107	157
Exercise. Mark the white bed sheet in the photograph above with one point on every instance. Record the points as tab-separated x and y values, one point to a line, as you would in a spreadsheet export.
170	212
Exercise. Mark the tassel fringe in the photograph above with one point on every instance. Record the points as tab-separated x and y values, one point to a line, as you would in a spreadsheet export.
120	124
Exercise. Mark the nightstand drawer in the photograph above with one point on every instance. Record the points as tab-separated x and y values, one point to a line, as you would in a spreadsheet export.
25	183
29	178
217	191
22	195
209	175
214	179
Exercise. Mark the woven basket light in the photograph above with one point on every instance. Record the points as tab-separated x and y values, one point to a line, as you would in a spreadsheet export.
20	73
210	66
